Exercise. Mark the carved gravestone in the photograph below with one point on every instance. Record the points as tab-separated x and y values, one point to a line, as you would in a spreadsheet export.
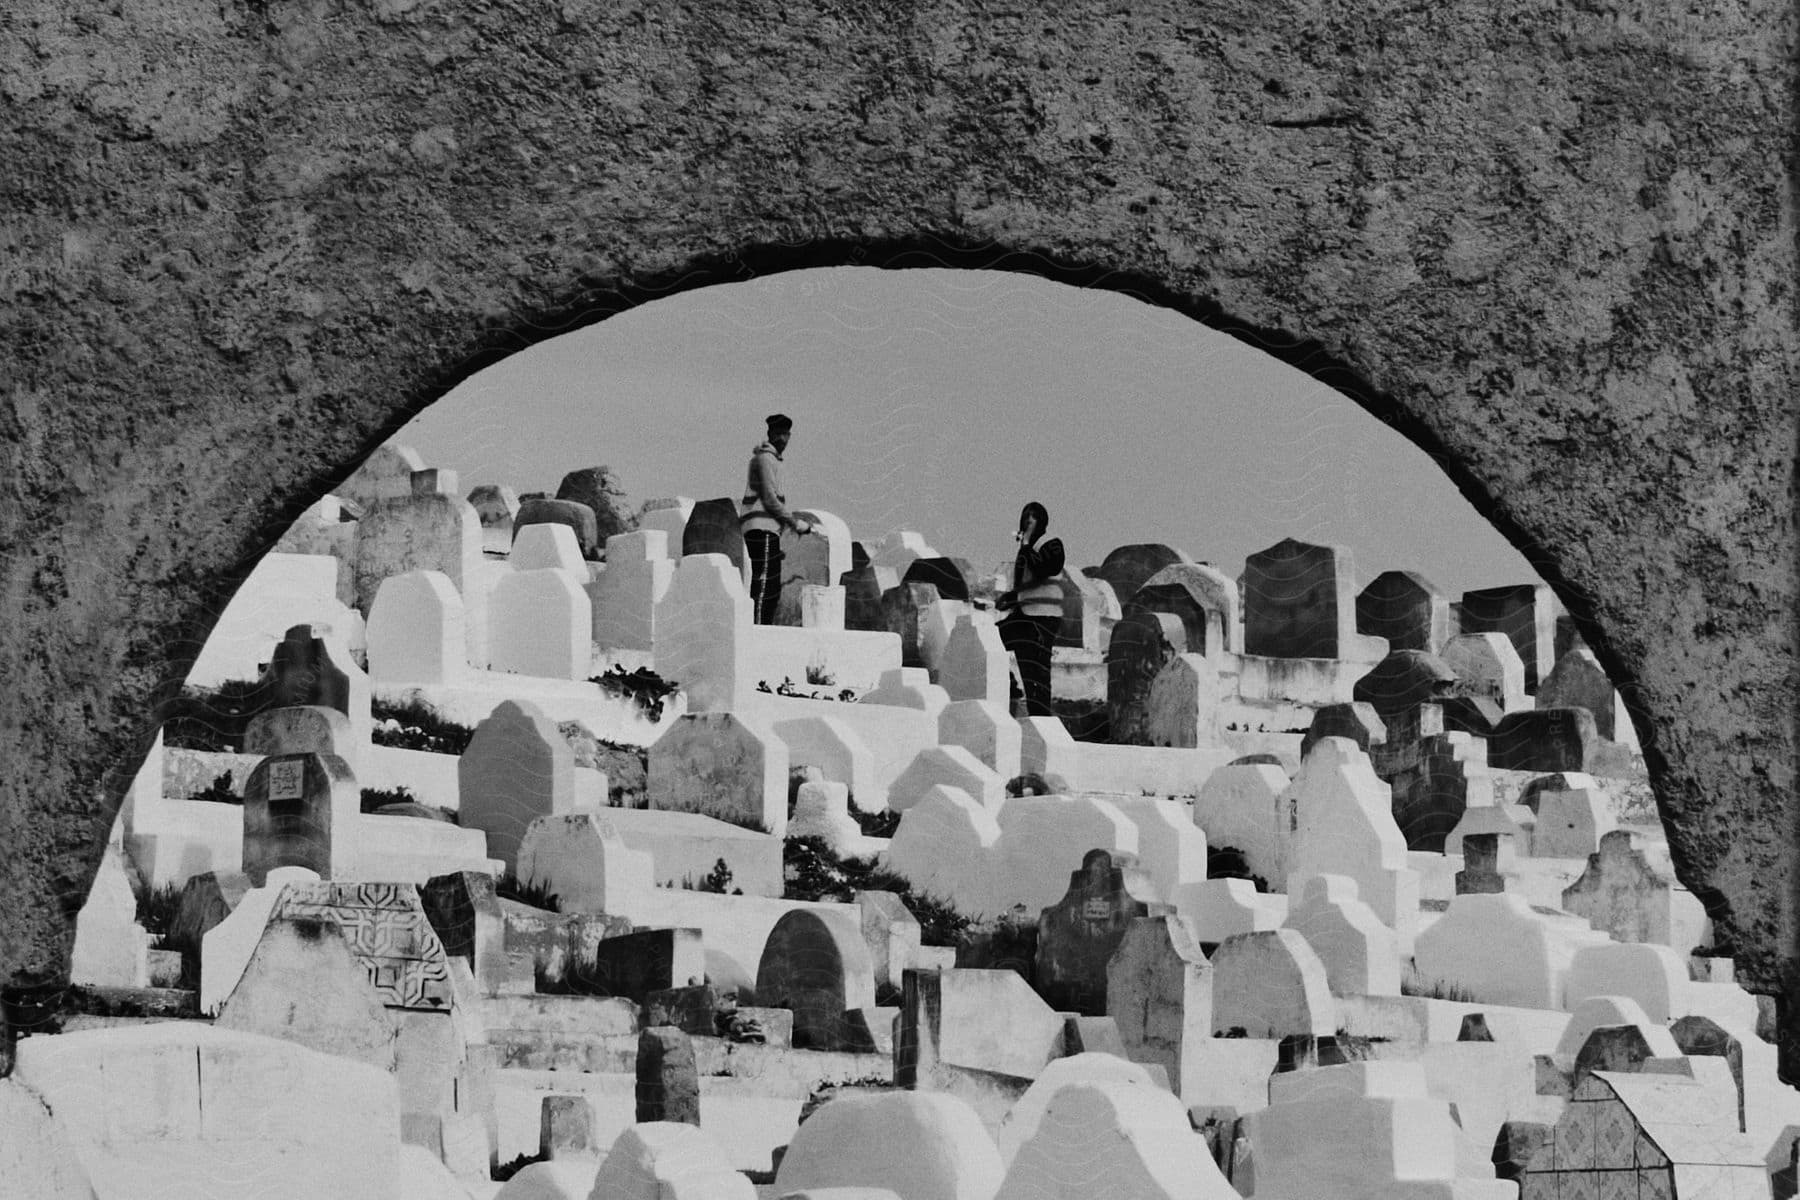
298	810
302	672
1142	645
668	1082
578	517
599	489
1298	601
1526	614
1405	608
1078	935
1202	597
430	529
712	528
1128	568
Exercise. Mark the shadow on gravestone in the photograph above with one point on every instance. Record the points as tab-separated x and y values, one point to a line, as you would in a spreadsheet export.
1357	721
1402	681
1405	608
1298	601
1078	935
1128	568
713	528
1202	597
1142	645
1525	613
944	574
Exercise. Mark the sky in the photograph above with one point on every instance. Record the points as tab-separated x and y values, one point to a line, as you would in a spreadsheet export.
941	401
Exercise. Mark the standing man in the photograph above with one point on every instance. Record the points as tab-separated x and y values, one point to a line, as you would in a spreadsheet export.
763	514
1033	608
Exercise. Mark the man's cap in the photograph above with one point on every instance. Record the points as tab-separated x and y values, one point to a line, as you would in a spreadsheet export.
780	423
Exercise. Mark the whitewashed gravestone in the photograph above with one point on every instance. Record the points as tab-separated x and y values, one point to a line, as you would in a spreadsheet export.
299	811
517	767
722	765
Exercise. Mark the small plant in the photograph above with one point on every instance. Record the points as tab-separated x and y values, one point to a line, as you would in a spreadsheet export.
1413	984
537	895
717	879
374	799
881	824
412	724
811	870
817	674
505	1171
218	791
156	911
213	718
1228	862
643	686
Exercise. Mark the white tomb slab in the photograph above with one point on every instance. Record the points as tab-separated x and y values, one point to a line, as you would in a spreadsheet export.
540	622
1271	985
950	766
702	633
985	729
547	547
581	859
1343	823
624	596
1498	950
838	751
973	663
1044	838
416	632
1114	1138
517	767
1360	953
1240	806
943	845
1024	1118
922	1145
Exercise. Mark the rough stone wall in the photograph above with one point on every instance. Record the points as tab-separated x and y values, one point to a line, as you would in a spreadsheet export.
1554	243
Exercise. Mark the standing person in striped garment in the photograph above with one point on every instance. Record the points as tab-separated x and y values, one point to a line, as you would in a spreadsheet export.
1033	607
763	514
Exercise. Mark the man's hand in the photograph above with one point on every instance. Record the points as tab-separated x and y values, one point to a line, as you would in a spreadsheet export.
802	526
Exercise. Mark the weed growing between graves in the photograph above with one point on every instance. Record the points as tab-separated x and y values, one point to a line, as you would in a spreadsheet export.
375	798
502	1172
1413	984
213	718
412	724
817	674
536	895
625	767
881	824
811	870
218	791
717	881
644	686
156	909
788	688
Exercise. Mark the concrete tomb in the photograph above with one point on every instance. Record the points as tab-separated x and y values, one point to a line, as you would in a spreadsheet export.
416	630
1182	708
905	610
303	985
947	766
985	729
312	666
1397	685
958	1021
919	1145
723	765
668	1082
1222	908
624	597
1128	568
1271	985
1114	1138
496	506
1497	950
1405	608
943	843
702	634
839	753
973	666
385	475
1526	614
300	810
822	810
1490	862
1654	976
517	767
1578	681
1078	935
1360	954
816	964
1630	891
1571	819
1487	665
547	547
1300	602
566	1129
1342	823
1240	806
1159	991
892	935
907	687
1024	1118
864	587
1357	721
580	858
1142	645
668	1160
111	949
540	622
424	530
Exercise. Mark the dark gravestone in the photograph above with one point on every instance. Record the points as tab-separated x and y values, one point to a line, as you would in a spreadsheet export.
1203	599
578	517
1547	739
598	488
205	900
712	528
902	611
1359	722
465	913
1431	794
1488	864
637	964
1621	1048
291	802
944	574
1474	1028
668	1083
692	1010
1577	681
495	504
1078	935
1142	645
1006	943
1128	568
1474	715
1702	1035
1525	613
820	971
1402	681
301	674
1298	602
1405	608
863	587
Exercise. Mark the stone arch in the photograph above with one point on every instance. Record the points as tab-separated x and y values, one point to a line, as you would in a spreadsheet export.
247	243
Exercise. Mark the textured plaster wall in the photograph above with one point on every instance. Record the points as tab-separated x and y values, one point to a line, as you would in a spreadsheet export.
241	242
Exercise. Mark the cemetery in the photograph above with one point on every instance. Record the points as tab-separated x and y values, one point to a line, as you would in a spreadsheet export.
494	851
